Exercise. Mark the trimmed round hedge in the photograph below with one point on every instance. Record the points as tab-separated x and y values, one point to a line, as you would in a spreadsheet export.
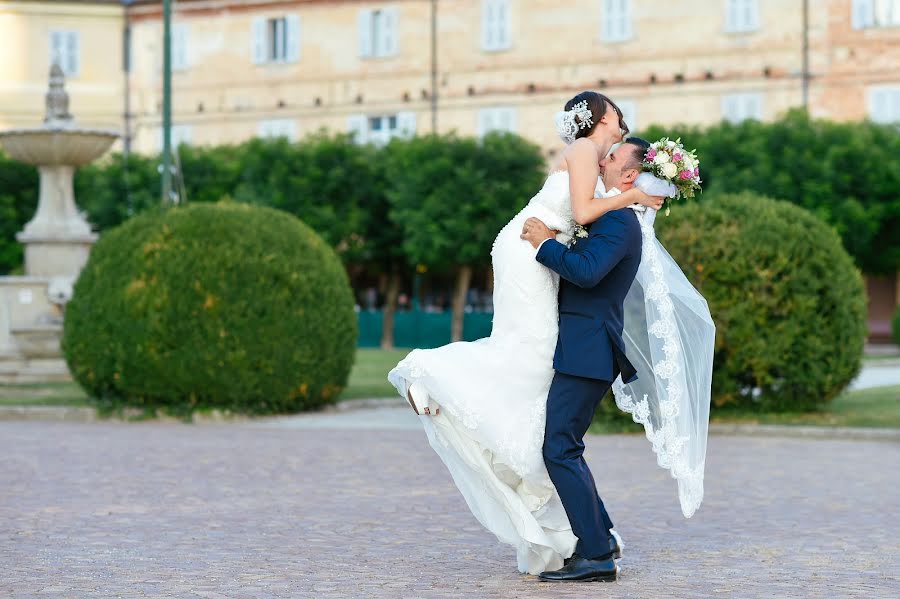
788	302
226	305
895	326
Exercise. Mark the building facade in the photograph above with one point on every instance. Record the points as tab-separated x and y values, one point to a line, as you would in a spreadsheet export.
244	68
84	37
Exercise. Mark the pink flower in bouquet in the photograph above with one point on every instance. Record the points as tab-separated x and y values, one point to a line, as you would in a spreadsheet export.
651	154
677	156
697	171
686	174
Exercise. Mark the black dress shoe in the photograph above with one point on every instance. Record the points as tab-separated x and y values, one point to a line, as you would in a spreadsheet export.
614	548
580	569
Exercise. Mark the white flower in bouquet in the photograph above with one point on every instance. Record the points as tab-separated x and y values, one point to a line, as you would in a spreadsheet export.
670	144
669	170
661	158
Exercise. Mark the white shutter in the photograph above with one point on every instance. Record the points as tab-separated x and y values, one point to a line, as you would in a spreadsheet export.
863	11
57	47
72	53
753	107
501	20
751	15
608	25
293	38
258	44
629	113
884	104
487	25
625	20
389	32
406	124
180	47
485	121
508	120
358	126
364	27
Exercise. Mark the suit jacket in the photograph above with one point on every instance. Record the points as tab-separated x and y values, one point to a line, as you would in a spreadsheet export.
595	276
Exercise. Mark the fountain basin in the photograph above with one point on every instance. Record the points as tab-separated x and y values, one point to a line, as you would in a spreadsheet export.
57	146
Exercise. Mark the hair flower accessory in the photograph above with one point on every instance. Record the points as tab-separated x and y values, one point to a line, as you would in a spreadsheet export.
569	122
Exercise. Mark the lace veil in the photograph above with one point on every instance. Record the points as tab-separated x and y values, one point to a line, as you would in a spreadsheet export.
669	338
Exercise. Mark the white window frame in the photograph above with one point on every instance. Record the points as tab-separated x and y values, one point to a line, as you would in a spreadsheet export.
616	20
378	32
180	56
276	128
496	118
867	14
389	125
741	16
276	39
65	48
884	104
741	106
495	25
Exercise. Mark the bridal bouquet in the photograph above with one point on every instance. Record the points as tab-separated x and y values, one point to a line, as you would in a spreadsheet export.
669	161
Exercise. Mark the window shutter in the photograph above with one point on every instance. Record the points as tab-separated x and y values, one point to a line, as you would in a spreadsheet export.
180	47
389	30
364	28
258	45
501	20
358	126
72	44
863	11
293	38
406	124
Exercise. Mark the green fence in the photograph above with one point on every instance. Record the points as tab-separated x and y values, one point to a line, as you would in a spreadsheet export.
421	329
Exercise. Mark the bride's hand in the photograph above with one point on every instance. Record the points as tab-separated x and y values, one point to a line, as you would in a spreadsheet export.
655	202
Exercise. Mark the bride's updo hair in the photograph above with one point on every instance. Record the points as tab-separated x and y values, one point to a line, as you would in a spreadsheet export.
597	103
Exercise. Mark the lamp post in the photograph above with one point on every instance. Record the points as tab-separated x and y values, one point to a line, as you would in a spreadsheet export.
167	104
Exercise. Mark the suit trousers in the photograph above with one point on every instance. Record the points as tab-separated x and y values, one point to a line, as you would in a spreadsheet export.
570	408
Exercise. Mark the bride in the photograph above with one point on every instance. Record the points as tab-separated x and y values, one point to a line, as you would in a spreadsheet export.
483	403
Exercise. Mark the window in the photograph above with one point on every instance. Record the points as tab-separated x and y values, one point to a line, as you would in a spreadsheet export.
276	40
495	25
875	13
379	129
64	51
179	47
616	20
181	134
741	16
629	114
884	104
496	119
274	128
377	33
740	107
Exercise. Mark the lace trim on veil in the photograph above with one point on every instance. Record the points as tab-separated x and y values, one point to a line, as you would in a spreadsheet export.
667	444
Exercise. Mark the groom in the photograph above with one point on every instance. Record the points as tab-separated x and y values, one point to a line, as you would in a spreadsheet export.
596	273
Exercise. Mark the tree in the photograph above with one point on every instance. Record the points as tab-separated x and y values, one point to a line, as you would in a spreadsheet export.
18	202
450	196
847	174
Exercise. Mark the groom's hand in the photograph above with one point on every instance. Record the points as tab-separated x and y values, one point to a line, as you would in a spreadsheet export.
535	232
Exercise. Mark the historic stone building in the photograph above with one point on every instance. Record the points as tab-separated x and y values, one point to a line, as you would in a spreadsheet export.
86	39
246	68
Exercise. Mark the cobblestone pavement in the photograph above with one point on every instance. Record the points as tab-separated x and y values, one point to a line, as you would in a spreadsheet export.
274	510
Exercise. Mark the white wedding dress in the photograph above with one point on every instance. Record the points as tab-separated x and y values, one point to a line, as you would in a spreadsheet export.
493	393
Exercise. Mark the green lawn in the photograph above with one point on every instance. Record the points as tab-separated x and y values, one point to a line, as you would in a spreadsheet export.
369	375
868	408
367	379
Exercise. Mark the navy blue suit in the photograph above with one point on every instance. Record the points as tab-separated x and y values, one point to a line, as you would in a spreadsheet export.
595	276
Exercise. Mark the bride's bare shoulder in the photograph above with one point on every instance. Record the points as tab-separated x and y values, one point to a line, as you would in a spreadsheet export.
578	151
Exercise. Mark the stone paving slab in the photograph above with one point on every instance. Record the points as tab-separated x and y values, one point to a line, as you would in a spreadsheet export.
155	509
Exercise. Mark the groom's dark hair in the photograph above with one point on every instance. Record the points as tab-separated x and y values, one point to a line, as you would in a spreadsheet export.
640	149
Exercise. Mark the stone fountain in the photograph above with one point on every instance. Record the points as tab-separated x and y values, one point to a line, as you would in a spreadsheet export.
57	240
